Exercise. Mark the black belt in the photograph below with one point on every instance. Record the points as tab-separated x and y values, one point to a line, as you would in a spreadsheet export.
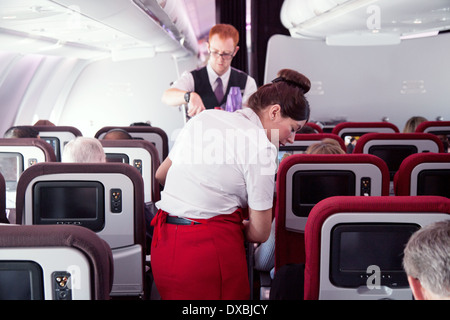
180	221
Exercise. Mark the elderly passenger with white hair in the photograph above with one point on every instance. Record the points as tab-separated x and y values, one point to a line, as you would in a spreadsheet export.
83	149
427	262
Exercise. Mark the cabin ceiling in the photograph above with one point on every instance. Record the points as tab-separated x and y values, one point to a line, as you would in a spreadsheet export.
127	29
202	14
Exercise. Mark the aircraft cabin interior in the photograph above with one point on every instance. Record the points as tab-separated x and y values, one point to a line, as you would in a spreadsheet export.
79	68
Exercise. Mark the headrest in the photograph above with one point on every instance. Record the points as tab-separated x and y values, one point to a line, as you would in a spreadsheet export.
359	147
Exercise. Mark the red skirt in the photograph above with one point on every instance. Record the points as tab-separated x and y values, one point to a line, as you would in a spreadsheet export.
201	261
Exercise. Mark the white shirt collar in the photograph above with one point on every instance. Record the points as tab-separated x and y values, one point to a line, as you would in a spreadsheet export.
251	115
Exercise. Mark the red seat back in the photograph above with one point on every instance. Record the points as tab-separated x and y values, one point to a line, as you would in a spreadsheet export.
289	236
419	210
406	180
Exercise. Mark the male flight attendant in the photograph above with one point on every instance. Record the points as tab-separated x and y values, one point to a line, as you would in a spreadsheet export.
208	87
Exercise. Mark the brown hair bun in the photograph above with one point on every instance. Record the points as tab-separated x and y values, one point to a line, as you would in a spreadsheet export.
294	78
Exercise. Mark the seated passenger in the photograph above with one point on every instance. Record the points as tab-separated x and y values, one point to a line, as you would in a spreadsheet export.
427	262
117	134
325	146
21	132
44	123
83	149
141	124
412	123
351	145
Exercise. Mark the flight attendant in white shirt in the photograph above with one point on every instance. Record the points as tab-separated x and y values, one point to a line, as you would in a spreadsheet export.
218	192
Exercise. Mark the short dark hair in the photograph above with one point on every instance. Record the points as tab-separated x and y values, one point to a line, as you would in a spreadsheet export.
117	134
21	132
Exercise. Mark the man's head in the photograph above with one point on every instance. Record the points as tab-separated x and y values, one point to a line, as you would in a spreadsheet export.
117	134
427	261
83	149
222	47
21	132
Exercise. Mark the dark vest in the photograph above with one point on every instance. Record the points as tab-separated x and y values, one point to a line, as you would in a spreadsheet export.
204	90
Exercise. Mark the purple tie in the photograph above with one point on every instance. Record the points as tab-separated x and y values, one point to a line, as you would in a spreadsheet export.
219	90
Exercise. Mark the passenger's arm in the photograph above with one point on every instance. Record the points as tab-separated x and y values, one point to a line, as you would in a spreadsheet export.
162	170
257	228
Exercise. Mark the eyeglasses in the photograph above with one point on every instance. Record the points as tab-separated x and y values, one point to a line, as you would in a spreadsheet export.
225	56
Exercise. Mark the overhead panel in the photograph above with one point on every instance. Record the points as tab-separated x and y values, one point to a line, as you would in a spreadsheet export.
92	29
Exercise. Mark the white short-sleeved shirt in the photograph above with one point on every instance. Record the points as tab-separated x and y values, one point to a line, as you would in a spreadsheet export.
221	161
186	82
